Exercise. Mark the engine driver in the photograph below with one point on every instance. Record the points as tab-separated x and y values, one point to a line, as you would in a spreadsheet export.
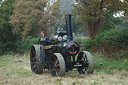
43	37
43	34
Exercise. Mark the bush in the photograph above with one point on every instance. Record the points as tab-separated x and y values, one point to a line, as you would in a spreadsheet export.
111	37
6	47
26	45
123	37
84	41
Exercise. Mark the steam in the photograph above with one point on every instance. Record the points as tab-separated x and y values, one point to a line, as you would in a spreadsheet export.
66	6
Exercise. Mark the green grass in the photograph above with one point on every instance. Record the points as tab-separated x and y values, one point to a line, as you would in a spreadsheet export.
109	64
12	65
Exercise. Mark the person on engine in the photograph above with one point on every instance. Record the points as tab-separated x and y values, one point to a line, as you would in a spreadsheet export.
43	37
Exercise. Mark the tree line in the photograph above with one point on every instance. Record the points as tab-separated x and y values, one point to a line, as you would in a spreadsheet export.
22	20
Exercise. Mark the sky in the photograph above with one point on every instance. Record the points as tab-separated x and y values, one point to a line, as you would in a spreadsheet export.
119	14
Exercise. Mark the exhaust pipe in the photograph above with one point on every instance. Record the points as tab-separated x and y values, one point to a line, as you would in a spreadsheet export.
69	26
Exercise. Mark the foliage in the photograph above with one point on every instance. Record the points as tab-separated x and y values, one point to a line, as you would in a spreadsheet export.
20	20
28	18
123	36
32	16
124	23
77	27
91	12
7	38
110	22
111	37
7	47
82	40
26	45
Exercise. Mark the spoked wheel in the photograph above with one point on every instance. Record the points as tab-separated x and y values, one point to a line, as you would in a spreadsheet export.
57	65
88	63
35	60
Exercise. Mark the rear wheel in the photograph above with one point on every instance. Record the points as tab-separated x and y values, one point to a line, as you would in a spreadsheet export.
88	63
57	65
35	60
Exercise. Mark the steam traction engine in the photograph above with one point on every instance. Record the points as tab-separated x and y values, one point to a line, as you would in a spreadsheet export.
61	55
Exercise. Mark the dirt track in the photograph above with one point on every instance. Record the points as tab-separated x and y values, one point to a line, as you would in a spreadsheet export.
16	71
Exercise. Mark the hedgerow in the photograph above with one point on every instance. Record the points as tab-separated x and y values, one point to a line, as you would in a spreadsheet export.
111	37
26	45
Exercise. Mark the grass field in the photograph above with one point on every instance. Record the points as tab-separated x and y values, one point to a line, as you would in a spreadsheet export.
15	70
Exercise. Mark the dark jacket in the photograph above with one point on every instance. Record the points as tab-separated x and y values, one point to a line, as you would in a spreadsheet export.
42	38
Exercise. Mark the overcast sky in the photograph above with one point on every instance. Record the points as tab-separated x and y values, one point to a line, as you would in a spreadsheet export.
119	14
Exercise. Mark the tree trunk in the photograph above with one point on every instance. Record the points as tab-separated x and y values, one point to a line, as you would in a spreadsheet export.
93	28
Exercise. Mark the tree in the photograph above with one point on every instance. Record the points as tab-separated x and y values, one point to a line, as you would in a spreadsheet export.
77	27
28	18
6	10
110	22
92	12
32	16
7	38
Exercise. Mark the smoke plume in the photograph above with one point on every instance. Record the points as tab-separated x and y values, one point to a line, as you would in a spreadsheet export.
66	6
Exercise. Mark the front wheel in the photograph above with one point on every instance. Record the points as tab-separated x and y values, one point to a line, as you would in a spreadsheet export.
57	65
88	63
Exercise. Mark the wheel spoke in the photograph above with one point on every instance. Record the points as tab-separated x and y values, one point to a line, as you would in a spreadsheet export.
54	69
58	65
56	62
34	59
55	58
34	66
33	51
53	62
57	71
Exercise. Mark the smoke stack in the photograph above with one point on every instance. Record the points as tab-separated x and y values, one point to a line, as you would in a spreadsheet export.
69	27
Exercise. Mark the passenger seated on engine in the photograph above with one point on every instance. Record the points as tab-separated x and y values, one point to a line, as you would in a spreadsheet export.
61	29
42	38
58	31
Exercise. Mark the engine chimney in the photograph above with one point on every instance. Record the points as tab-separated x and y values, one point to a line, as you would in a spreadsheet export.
69	26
